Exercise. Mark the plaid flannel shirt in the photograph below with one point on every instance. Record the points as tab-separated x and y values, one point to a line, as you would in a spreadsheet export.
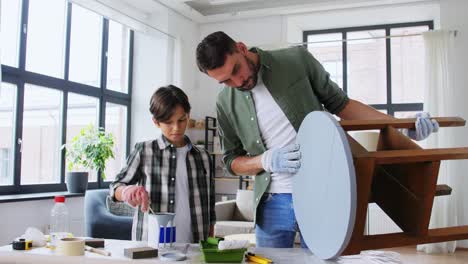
153	164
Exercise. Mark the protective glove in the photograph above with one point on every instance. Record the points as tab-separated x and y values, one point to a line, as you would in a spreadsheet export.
136	195
282	160
424	127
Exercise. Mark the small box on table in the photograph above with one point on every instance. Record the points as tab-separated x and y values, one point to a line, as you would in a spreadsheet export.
141	252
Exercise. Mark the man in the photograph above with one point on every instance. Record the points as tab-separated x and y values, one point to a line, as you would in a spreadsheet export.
268	94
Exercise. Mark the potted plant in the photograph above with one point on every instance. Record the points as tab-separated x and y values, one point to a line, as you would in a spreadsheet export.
200	144
88	150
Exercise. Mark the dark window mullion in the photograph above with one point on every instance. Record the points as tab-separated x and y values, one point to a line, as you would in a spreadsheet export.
104	48
130	64
128	126
129	85
18	133
23	35
67	42
379	106
20	95
102	122
63	135
345	61
65	93
389	71
47	187
407	107
102	99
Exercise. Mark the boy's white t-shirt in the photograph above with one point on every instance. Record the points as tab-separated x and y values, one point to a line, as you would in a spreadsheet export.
276	131
182	219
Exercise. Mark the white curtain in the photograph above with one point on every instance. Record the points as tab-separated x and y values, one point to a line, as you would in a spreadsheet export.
439	101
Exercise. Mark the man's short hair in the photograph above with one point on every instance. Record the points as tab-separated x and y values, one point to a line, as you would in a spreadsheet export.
212	51
165	100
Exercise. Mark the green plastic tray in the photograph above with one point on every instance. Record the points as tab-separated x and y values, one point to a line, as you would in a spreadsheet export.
212	254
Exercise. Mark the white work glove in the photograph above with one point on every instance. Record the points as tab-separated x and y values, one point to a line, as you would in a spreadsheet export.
282	160
136	195
424	127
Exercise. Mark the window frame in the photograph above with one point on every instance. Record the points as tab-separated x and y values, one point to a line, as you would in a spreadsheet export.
389	106
19	77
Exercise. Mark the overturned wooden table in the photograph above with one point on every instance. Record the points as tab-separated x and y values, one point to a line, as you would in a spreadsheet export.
339	177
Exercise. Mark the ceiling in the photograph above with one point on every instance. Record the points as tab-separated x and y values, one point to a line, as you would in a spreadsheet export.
217	7
205	11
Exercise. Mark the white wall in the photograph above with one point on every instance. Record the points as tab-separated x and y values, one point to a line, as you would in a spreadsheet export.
149	72
160	60
453	17
18	216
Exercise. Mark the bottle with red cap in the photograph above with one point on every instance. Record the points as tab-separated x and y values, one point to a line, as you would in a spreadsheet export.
59	222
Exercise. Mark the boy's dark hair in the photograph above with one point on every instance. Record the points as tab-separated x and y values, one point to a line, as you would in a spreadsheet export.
212	51
165	100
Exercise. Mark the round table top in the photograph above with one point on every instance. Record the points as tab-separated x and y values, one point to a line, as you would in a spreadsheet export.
324	189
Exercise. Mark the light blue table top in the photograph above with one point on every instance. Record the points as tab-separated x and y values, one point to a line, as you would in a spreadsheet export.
324	189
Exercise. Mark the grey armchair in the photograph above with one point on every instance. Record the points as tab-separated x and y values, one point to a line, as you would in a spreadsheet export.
235	216
100	222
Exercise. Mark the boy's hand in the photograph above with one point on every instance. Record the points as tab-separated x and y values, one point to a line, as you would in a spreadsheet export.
136	195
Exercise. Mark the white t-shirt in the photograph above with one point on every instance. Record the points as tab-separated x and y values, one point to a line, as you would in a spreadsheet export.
182	219
276	132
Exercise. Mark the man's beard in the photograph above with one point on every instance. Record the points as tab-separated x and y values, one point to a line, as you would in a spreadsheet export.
254	77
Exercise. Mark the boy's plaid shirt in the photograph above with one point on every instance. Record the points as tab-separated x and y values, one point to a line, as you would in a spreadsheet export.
153	164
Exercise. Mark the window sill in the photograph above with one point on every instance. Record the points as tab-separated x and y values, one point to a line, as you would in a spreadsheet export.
10	198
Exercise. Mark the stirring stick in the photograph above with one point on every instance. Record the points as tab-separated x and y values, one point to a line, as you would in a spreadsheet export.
97	251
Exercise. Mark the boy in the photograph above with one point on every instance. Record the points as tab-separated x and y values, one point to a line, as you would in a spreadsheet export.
169	174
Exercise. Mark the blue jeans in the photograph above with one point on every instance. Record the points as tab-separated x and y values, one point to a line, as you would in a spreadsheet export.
276	222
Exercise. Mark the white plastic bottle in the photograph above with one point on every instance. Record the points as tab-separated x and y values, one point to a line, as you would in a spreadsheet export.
59	222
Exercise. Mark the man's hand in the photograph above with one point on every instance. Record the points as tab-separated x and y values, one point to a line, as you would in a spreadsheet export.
282	160
136	195
424	127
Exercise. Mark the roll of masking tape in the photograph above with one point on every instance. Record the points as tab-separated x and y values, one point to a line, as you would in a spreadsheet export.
71	247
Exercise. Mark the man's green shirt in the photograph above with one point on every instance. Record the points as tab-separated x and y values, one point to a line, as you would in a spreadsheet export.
299	85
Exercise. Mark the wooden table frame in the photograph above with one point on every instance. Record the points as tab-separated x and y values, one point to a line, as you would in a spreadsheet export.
401	178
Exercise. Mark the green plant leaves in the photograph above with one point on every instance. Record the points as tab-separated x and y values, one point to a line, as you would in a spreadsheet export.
90	149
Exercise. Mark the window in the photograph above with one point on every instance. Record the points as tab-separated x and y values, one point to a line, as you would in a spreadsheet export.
328	49
85	47
117	58
82	111
7	113
57	75
46	37
374	68
40	147
116	120
5	166
408	62
9	34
